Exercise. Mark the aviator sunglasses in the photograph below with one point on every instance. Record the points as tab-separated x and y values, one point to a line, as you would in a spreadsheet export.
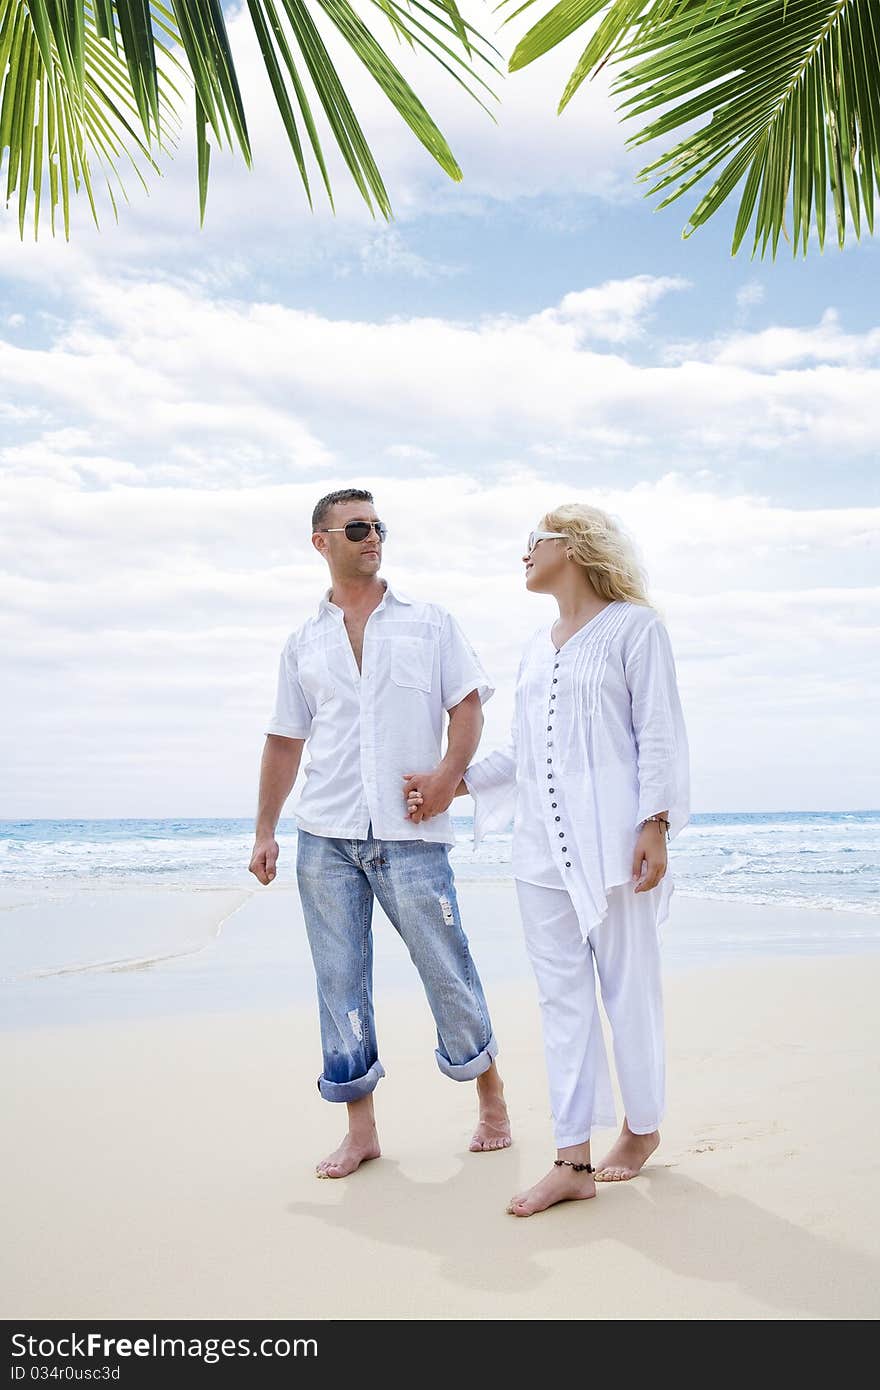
358	530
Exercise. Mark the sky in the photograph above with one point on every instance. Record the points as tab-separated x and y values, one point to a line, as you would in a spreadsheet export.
173	401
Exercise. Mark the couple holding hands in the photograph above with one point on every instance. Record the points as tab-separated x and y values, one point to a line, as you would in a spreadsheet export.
595	779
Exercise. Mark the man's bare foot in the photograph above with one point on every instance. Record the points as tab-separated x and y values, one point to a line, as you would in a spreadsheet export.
352	1152
627	1155
560	1185
493	1124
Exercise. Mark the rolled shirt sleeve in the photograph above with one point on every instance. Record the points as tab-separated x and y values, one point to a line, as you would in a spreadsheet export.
659	728
292	717
460	668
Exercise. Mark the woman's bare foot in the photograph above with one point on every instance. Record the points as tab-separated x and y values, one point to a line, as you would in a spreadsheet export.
560	1185
493	1124
352	1152
627	1155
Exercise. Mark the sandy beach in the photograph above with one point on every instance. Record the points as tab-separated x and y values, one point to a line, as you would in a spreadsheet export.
158	1161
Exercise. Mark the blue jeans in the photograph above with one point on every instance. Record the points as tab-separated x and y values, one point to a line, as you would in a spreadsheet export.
338	882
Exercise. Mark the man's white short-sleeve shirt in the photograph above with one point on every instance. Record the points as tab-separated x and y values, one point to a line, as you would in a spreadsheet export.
367	729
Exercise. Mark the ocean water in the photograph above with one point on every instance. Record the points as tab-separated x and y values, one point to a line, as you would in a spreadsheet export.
104	920
801	859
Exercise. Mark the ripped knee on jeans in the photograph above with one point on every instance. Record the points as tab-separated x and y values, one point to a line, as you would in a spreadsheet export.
446	909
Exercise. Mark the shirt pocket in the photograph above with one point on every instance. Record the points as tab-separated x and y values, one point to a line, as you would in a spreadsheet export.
412	663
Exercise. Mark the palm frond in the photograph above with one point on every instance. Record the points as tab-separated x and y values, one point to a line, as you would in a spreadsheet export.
295	54
70	112
780	98
564	19
789	99
623	19
85	83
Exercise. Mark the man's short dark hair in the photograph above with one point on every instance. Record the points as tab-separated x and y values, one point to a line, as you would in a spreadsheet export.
345	494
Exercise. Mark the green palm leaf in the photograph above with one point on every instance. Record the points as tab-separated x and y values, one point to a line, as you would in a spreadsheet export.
68	113
84	86
431	26
777	98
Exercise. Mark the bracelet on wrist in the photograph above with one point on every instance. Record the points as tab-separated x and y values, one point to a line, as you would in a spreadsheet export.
656	820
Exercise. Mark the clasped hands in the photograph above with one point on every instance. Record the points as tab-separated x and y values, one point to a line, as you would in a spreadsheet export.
429	793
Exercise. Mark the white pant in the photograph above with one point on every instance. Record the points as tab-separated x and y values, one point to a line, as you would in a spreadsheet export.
626	948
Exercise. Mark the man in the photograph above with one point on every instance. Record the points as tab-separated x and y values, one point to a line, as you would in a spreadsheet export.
365	683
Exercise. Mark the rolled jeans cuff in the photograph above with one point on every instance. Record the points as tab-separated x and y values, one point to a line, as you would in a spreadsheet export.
468	1071
352	1090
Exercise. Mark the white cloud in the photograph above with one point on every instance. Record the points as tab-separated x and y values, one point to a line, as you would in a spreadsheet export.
166	442
412	453
780	346
750	294
386	253
187	384
616	311
146	623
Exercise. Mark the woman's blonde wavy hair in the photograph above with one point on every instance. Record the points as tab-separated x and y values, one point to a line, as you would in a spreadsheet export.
606	552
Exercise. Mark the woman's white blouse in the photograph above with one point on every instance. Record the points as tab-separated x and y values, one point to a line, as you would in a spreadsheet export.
598	745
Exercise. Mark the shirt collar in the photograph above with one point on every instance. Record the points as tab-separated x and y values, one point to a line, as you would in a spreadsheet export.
325	606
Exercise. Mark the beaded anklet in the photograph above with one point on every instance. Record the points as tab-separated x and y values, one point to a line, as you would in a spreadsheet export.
577	1167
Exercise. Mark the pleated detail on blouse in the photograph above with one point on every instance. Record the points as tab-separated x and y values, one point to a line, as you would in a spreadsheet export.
591	660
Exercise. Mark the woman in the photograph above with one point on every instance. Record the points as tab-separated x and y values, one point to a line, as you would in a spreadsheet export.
597	778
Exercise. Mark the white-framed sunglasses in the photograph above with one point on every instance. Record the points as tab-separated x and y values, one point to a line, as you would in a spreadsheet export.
536	536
